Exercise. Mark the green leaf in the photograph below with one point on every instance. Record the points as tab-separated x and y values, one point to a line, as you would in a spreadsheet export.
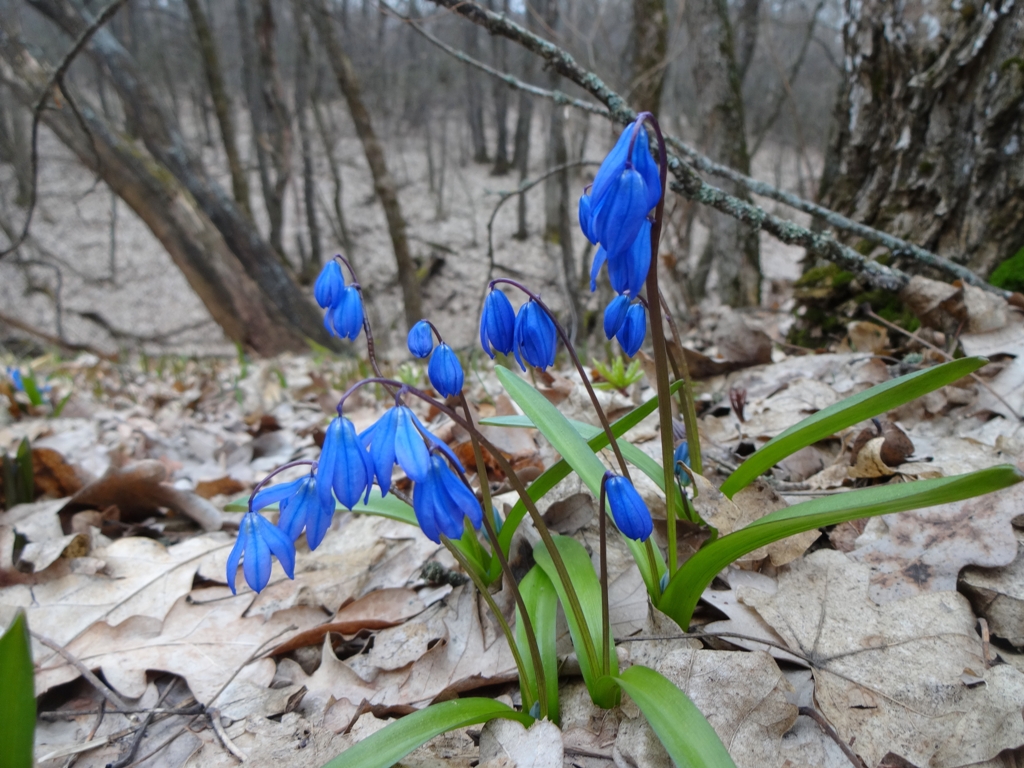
588	589
17	696
390	744
578	455
688	738
26	483
828	421
542	606
689	582
28	381
389	506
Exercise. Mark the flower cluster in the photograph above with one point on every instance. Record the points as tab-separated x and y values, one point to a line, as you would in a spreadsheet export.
343	303
444	368
613	214
529	334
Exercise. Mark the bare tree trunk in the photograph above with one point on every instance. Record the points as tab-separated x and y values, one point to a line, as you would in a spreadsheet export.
500	94
328	138
383	183
732	247
278	130
929	141
221	104
650	51
521	156
192	240
167	145
475	97
310	267
14	148
748	21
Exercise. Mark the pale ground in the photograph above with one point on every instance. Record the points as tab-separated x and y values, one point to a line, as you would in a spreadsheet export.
146	297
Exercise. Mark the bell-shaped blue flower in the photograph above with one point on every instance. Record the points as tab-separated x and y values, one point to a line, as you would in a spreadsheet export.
395	438
421	339
303	511
257	541
441	502
329	285
346	319
681	455
497	324
618	218
628	509
344	466
586	216
633	329
627	270
647	167
615	314
534	339
445	371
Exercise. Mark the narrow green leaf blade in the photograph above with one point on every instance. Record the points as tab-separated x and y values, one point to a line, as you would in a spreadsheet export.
866	405
542	607
17	696
688	737
686	587
588	589
389	745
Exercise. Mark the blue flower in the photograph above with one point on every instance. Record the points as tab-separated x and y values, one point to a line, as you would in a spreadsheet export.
257	540
681	455
421	339
534	337
615	314
627	271
301	509
344	466
441	502
395	438
633	329
329	285
497	324
346	318
15	374
445	371
628	509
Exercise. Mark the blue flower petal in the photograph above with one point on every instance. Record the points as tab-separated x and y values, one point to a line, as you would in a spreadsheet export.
256	564
424	504
236	556
421	339
612	166
633	331
295	509
329	285
348	314
275	493
462	502
647	166
325	468
627	271
615	314
599	259
628	509
382	448
278	544
445	371
497	324
586	216
409	449
681	455
618	220
535	336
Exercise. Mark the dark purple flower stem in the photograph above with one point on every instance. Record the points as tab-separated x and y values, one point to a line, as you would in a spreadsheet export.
277	471
370	350
579	367
661	348
682	371
517	485
606	622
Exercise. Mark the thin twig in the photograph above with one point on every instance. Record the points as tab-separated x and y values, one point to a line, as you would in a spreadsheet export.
57	78
87	673
829	731
214	714
55	340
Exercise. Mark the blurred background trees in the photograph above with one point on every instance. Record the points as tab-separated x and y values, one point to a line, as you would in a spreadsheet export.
236	132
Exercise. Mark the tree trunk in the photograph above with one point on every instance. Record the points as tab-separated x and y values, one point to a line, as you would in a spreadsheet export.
748	23
500	93
303	56
475	97
221	103
167	146
521	156
192	240
732	246
930	124
383	183
650	54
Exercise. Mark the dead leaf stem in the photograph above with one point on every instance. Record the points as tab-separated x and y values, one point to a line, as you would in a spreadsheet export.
88	674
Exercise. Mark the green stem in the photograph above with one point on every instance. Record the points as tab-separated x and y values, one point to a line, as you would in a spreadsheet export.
686	395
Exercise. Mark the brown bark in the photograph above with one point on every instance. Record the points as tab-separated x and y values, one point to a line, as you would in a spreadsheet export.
167	146
191	239
650	49
732	246
930	122
221	103
475	97
383	183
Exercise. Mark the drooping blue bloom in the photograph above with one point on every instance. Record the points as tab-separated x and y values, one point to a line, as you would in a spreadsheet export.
534	338
615	314
441	502
627	271
633	329
681	455
421	339
436	444
586	217
497	324
344	466
15	374
303	510
346	318
257	540
395	438
445	371
329	285
618	218
599	260
628	509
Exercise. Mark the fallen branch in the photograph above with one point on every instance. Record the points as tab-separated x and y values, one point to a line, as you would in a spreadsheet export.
51	339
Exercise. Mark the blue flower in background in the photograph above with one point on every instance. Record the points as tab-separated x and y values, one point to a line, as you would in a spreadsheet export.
257	541
344	466
614	315
329	285
633	329
534	338
445	371
681	455
628	509
421	339
15	375
497	324
346	317
441	502
395	438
